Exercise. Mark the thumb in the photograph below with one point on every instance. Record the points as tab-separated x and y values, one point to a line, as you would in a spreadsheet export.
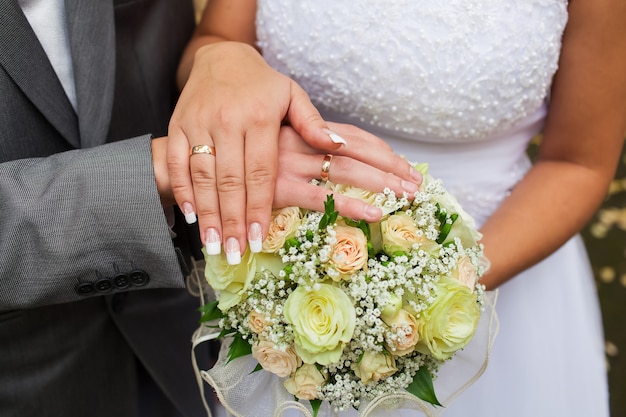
305	119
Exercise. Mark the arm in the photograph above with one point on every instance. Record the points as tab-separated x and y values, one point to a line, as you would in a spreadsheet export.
580	147
79	216
232	99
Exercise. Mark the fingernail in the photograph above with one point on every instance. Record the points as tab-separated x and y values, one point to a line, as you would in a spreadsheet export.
416	175
255	239
190	215
335	137
373	213
213	246
410	187
233	253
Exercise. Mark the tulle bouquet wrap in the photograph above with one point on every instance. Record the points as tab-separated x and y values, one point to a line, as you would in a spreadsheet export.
343	312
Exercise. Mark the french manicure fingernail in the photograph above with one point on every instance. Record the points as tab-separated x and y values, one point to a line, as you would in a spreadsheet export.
255	238
416	175
233	252
335	137
372	213
409	187
190	215
213	246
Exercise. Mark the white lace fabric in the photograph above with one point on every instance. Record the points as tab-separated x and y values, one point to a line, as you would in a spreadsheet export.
439	71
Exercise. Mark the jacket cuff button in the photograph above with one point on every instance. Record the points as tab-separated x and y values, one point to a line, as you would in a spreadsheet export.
84	288
120	281
138	278
104	285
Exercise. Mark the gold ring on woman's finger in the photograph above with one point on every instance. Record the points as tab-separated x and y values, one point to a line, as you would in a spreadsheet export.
208	149
326	166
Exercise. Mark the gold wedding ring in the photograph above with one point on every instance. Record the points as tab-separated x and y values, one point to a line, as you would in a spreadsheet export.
202	149
326	166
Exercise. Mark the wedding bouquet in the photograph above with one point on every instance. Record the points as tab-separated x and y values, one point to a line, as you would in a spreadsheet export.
345	311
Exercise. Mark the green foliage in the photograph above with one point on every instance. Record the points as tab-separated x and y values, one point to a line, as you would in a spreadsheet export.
238	348
330	214
422	386
210	312
315	405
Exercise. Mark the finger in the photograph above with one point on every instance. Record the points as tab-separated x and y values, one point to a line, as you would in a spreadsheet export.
345	170
178	170
307	121
202	168
231	190
312	197
261	156
372	150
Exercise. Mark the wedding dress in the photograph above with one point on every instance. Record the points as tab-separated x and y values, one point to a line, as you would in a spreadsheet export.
462	85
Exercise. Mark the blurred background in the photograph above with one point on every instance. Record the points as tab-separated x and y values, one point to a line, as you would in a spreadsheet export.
605	237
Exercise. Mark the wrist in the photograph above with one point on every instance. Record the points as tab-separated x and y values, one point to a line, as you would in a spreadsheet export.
161	176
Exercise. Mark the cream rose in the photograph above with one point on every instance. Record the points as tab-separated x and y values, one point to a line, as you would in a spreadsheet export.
466	273
280	362
405	326
323	322
351	191
305	382
375	366
283	226
349	254
450	322
231	281
400	234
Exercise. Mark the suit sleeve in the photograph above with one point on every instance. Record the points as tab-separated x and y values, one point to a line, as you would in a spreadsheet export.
82	223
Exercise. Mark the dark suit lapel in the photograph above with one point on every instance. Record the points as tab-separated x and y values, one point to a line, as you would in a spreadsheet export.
91	27
25	61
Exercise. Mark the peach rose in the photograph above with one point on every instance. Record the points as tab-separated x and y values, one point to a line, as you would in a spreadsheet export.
350	251
305	382
280	362
257	321
283	226
404	324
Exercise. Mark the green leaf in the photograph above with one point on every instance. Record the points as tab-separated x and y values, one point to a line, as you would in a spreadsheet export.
226	332
210	312
422	386
446	227
238	348
257	368
315	405
330	215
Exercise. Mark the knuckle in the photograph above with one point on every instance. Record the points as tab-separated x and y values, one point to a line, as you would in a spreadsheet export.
261	176
230	183
203	179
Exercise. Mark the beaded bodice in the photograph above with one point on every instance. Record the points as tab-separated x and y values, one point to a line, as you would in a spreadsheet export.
453	70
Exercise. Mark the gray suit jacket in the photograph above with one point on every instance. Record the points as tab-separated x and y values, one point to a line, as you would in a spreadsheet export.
81	226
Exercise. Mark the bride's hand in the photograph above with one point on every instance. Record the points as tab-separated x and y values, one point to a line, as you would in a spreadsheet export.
234	103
